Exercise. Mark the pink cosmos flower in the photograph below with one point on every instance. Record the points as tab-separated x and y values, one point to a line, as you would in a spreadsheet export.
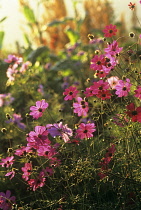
46	151
37	111
7	162
6	201
37	138
99	86
81	107
13	59
25	66
22	151
134	113
11	72
38	182
113	48
138	92
89	91
27	169
123	88
110	30
97	62
113	81
85	131
70	93
11	174
58	129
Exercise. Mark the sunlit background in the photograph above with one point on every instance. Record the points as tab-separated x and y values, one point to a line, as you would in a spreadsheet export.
13	25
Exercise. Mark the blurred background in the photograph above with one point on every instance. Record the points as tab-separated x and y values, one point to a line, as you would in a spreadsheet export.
47	22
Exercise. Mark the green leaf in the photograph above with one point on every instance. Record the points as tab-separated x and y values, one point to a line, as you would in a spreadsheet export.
72	35
59	22
54	23
2	19
27	40
1	38
36	53
29	14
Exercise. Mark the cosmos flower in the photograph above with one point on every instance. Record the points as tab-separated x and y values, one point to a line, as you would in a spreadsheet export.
81	107
58	129
37	138
7	162
37	111
113	48
134	113
85	131
113	81
110	30
123	88
70	93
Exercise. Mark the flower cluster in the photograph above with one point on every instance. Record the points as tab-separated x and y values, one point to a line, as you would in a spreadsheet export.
16	65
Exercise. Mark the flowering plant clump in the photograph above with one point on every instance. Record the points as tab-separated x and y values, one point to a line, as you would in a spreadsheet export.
79	147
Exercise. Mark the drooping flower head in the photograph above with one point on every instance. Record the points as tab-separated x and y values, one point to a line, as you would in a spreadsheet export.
110	30
37	111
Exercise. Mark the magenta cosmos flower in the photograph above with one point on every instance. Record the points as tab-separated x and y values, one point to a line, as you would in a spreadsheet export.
113	48
8	161
138	92
81	107
37	138
38	182
27	170
37	111
97	62
123	88
110	30
85	131
70	93
134	113
6	201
